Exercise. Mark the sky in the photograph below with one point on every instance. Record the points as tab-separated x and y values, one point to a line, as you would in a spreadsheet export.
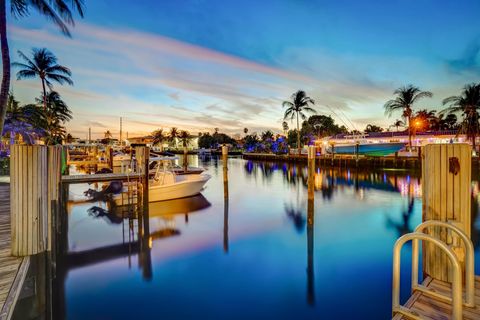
205	64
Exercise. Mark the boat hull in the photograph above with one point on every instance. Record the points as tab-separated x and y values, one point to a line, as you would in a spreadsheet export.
371	149
186	188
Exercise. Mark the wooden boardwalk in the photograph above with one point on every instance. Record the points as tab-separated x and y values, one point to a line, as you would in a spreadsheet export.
430	308
83	178
8	265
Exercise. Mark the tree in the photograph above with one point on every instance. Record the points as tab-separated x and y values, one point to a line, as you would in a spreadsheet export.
285	127
467	104
58	11
173	135
107	134
185	138
324	126
44	66
298	106
159	137
245	130
267	135
406	98
398	123
373	128
53	116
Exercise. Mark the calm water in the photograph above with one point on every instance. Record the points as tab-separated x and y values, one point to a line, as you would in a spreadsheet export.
244	249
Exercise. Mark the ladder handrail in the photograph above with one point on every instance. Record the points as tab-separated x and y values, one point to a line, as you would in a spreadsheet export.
457	275
469	261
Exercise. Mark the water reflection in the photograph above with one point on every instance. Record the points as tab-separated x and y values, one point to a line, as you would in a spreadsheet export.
275	223
328	180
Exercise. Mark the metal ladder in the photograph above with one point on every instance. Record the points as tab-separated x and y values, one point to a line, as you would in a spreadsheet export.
456	298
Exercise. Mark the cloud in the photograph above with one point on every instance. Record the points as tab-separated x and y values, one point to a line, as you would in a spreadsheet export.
154	81
469	62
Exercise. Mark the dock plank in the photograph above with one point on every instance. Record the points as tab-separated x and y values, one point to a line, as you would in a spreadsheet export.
83	178
8	265
431	308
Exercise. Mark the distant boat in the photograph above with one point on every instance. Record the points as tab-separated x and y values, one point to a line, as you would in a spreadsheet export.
368	149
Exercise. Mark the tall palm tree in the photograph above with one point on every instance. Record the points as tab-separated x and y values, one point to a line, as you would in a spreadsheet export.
44	66
468	104
107	134
298	106
406	98
173	135
159	137
58	11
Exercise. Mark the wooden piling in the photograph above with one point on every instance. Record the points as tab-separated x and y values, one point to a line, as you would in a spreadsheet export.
35	175
446	179
142	156
225	198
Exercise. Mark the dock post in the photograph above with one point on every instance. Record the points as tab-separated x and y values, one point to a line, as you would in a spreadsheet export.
142	156
446	179
310	225
225	198
35	176
110	157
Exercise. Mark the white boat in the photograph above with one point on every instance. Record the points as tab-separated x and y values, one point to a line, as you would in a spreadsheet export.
166	184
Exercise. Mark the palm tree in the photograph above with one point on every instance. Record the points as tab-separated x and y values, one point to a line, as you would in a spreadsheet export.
58	11
173	135
468	104
245	130
107	134
44	66
398	123
159	137
285	127
406	97
299	104
185	138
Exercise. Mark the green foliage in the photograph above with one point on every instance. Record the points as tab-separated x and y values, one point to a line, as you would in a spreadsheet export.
323	126
373	128
207	140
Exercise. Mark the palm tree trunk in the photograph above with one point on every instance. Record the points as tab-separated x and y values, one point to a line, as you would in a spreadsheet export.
44	95
298	136
5	64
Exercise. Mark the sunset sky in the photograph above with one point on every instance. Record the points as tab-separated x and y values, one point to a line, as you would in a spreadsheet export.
198	64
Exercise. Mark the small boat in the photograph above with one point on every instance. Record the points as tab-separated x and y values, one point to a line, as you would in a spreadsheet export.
368	149
166	184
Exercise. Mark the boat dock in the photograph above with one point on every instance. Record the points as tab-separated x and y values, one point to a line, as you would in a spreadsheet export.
12	269
427	307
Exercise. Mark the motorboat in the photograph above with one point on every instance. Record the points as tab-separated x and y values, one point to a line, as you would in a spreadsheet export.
166	184
367	149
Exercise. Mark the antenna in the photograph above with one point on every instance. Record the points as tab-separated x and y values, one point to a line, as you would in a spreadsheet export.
121	131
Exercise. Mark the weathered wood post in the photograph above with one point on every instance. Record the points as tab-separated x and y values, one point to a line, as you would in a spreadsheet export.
110	157
225	197
142	156
446	179
310	225
35	176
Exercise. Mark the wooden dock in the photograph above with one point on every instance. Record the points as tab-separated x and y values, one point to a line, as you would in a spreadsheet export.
9	265
427	307
85	178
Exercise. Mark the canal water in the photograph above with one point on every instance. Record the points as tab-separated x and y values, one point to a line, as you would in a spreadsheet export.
243	249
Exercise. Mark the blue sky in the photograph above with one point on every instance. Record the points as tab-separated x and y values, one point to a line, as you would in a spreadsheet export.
199	64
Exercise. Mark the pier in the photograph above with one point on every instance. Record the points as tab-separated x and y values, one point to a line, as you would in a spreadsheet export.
12	269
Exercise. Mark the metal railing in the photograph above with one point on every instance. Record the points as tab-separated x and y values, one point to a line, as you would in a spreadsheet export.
469	262
456	283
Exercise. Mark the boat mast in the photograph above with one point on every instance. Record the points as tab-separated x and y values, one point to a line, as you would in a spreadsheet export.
121	131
